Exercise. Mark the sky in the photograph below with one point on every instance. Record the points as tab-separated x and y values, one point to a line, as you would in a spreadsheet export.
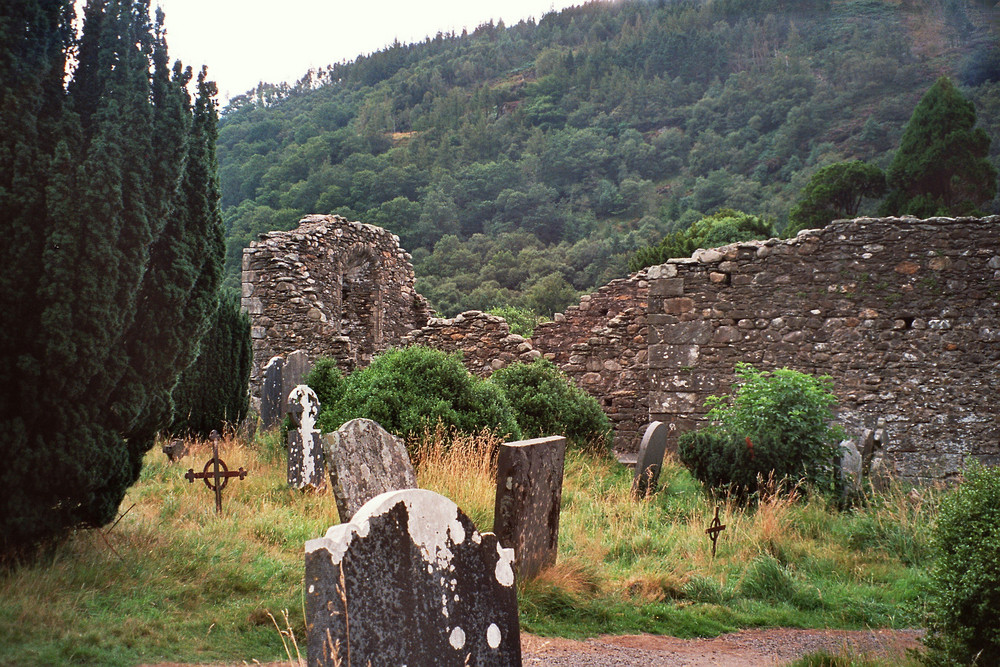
244	42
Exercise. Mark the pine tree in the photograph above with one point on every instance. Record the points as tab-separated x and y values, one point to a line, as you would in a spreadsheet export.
942	166
212	392
113	260
835	191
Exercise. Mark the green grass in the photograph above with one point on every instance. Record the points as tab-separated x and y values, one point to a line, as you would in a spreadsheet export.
172	581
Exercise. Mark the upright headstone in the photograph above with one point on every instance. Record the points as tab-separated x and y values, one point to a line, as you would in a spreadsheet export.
365	460
305	455
272	393
410	581
293	373
529	496
650	459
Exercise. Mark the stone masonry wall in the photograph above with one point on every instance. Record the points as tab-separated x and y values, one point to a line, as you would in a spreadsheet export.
485	341
329	287
904	314
601	345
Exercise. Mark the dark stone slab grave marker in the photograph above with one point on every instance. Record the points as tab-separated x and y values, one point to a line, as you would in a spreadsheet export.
650	459
529	496
271	396
365	460
410	581
305	455
293	373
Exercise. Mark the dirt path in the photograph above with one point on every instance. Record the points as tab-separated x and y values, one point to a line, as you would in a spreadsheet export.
748	648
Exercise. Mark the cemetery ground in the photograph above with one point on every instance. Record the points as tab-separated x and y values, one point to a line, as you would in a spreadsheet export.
173	581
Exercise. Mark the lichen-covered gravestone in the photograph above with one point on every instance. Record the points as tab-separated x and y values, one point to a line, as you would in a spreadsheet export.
305	455
271	393
293	373
410	581
365	460
529	496
650	459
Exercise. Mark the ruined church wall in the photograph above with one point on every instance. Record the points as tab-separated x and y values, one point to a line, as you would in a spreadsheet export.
903	314
329	287
484	340
601	345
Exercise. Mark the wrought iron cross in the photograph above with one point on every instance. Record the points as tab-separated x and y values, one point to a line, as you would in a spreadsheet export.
219	474
714	529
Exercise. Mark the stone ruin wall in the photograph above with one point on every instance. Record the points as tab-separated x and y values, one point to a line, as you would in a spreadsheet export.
601	345
904	314
331	288
484	340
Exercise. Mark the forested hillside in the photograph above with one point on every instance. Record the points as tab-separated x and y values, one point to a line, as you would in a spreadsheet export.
522	164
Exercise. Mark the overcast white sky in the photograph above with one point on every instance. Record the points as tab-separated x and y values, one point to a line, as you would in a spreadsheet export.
247	41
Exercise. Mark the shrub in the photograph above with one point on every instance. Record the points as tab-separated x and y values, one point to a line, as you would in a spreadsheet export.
522	321
776	423
327	381
964	599
546	402
411	389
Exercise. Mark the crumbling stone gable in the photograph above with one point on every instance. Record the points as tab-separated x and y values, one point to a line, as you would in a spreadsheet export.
601	345
904	314
332	288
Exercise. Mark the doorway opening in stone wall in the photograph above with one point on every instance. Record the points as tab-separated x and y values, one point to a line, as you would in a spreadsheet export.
361	300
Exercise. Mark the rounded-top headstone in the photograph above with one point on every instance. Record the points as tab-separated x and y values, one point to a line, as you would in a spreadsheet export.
650	459
410	580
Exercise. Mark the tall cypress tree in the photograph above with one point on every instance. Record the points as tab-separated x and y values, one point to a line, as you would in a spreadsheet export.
212	392
942	166
116	248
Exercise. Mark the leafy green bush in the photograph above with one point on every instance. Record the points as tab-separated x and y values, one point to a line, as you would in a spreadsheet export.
776	423
410	389
327	381
546	403
522	321
964	599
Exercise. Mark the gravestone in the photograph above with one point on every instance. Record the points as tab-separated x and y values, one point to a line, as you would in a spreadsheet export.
293	373
272	393
305	455
410	581
650	459
365	460
529	496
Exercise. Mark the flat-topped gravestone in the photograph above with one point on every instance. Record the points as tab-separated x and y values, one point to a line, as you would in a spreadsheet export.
529	496
650	459
293	373
271	393
364	461
410	581
305	455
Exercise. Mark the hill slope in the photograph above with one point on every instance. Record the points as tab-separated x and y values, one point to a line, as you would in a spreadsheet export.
521	164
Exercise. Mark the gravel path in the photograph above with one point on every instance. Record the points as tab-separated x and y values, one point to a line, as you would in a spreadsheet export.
748	648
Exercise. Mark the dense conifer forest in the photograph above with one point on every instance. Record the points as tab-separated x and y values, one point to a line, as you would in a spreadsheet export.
523	164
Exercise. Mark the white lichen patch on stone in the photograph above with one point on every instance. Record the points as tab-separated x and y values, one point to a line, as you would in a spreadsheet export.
504	570
493	635
307	399
457	638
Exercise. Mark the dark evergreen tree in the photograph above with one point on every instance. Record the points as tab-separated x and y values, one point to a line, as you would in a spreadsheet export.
835	191
112	257
212	392
942	166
